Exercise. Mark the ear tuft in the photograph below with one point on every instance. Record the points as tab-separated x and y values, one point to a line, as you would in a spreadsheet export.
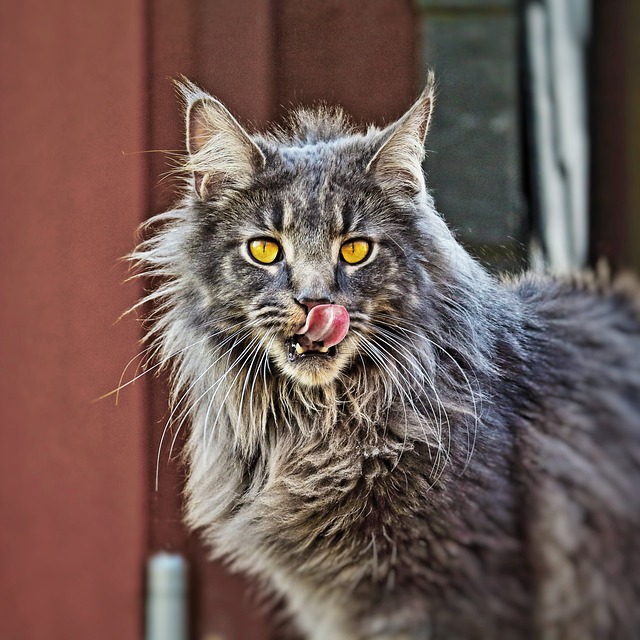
397	164
221	152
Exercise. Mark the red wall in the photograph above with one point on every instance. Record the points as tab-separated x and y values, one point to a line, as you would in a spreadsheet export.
85	90
72	492
615	124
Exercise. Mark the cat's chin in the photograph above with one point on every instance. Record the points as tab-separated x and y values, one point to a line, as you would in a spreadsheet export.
312	377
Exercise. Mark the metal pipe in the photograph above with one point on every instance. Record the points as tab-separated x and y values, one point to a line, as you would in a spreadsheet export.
166	607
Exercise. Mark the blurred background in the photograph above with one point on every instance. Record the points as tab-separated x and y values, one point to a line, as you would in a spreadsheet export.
533	158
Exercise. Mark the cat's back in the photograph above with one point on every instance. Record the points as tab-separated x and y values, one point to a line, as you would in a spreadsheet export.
580	451
581	348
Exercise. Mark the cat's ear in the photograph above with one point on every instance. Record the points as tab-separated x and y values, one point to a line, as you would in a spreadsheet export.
397	164
221	153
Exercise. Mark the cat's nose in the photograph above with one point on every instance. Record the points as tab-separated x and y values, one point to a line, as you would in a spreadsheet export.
309	303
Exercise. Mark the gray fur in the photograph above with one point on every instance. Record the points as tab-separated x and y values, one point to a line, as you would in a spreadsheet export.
467	467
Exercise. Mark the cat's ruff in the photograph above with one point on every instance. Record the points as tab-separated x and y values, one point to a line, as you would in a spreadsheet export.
401	445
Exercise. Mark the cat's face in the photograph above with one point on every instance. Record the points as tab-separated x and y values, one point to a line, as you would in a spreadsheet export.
302	244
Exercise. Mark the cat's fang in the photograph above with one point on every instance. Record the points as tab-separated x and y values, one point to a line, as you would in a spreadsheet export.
299	349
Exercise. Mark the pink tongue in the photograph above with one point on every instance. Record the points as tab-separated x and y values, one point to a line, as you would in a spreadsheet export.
326	323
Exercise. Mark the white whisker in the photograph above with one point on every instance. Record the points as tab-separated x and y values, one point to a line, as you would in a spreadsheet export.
475	411
183	397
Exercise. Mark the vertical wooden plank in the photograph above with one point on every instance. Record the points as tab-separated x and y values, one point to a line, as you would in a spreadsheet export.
633	115
359	54
226	47
256	55
611	178
72	491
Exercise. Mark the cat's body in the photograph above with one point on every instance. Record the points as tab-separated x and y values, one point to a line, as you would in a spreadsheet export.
464	464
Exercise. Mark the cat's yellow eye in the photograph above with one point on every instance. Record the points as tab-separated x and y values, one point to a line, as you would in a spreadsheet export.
265	251
355	251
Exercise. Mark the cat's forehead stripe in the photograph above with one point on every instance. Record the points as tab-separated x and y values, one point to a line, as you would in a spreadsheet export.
347	217
277	215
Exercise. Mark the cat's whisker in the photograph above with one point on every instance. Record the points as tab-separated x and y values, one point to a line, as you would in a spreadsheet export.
124	371
258	351
185	395
213	390
240	359
470	447
441	448
471	438
235	337
438	419
159	365
373	352
252	417
179	397
390	340
442	411
262	366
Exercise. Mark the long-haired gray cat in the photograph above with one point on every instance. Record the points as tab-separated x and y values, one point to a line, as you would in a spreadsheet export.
395	441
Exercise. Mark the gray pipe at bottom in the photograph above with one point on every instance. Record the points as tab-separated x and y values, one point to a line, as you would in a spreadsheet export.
166	607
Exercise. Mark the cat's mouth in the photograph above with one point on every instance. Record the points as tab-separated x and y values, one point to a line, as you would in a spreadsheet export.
300	346
326	325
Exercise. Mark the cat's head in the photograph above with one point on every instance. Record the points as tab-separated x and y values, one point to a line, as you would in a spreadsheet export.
301	241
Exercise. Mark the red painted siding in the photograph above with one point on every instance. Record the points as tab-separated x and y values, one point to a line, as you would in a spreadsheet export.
71	497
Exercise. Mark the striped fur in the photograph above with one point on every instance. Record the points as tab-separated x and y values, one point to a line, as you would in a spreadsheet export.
466	467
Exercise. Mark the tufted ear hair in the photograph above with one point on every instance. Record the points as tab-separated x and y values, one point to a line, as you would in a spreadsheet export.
221	152
397	164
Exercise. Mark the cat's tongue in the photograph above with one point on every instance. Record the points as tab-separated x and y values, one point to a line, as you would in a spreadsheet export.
326	323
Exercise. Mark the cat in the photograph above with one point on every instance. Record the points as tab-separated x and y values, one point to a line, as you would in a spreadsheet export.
395	441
